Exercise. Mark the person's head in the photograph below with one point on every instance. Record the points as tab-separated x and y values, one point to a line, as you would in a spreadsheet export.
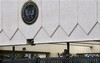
65	50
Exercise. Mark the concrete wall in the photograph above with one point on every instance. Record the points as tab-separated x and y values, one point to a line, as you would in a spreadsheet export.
55	49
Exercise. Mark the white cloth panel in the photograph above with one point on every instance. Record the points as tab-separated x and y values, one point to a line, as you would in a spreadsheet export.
4	39
0	16
29	31
50	15
10	17
98	11
58	21
60	35
87	14
95	33
19	38
68	14
42	36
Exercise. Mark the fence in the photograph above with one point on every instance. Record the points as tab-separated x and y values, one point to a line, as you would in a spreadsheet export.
71	60
56	60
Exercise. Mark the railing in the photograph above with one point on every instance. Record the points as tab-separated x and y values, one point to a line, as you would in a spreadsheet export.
71	60
56	60
19	61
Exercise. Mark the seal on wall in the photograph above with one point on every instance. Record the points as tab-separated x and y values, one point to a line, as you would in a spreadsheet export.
29	12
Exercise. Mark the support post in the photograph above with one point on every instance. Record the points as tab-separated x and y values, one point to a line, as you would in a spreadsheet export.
13	53
68	47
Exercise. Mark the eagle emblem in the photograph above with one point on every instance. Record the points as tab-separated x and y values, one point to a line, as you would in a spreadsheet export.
29	12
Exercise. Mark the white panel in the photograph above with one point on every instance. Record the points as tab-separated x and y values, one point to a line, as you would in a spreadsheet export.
78	34
42	37
95	34
18	39
87	14
29	31
99	11
68	14
0	16
4	39
10	16
50	15
59	35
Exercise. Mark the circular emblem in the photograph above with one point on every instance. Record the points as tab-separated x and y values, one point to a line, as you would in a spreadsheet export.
29	12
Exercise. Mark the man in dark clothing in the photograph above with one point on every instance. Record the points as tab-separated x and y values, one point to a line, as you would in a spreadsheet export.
66	53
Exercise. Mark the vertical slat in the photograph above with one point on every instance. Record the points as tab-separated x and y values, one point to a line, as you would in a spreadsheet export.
50	15
98	11
68	15
87	14
10	17
0	15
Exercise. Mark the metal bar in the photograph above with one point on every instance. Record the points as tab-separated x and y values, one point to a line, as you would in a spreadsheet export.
13	54
71	44
68	47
